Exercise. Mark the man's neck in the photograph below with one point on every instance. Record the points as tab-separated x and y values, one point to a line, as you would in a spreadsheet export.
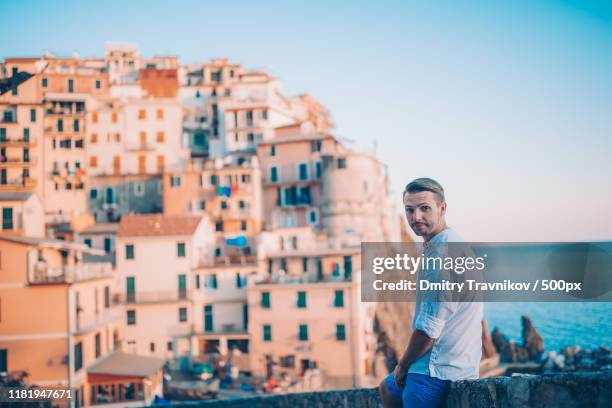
433	234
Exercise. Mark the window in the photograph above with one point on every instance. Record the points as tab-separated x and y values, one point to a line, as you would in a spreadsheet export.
107	244
301	299
78	356
213	180
197	281
44	83
93	161
315	146
142	114
265	300
264	114
340	332
71	85
160	137
342	163
273	174
87	242
169	346
114	117
339	298
175	181
7	218
131	317
98	345
129	251
303	332
312	216
240	281
182	314
318	169
152	347
305	264
75	125
32	115
348	266
93	194
3	360
219	226
272	150
107	297
224	205
303	171
180	249
94	138
78	143
208	318
139	189
243	225
98	84
267	332
60	125
159	114
211	281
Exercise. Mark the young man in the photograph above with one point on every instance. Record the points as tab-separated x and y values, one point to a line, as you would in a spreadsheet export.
446	341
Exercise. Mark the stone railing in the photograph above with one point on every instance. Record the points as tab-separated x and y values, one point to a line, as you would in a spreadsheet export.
581	389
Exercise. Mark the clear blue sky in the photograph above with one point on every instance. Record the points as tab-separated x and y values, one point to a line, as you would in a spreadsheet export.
508	105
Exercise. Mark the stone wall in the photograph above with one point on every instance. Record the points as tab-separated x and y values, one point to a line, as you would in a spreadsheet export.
586	389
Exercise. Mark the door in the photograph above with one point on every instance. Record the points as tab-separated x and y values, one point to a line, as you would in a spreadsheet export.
182	286
131	289
208	318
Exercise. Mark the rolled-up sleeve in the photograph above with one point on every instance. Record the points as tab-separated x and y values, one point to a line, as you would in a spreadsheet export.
432	317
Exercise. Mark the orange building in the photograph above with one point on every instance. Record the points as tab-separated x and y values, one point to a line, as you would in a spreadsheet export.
59	319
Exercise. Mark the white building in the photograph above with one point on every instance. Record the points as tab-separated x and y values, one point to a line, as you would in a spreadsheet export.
156	259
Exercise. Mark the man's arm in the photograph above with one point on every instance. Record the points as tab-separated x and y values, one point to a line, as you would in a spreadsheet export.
418	345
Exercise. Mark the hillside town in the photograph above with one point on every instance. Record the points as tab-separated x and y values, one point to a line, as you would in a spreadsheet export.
180	226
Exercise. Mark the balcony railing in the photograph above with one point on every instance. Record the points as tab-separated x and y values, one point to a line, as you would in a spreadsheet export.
42	273
229	260
104	317
17	161
19	183
154	297
18	141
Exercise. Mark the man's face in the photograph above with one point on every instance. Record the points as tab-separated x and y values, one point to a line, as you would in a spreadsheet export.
423	212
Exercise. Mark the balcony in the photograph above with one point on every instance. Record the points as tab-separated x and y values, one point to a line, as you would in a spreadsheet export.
228	260
19	183
169	296
17	142
17	161
103	318
42	273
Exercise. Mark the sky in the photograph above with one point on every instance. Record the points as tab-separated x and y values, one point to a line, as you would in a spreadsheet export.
507	104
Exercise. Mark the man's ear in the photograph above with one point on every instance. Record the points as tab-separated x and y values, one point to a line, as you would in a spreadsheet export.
443	208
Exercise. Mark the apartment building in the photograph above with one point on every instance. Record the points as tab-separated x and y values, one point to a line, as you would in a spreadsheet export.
305	314
22	214
21	132
157	256
60	320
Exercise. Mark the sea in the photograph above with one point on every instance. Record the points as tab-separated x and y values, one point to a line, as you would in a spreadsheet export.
587	324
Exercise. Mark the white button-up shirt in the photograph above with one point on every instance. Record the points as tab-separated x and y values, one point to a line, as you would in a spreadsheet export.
456	326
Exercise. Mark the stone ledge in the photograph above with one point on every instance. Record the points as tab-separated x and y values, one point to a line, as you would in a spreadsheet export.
581	389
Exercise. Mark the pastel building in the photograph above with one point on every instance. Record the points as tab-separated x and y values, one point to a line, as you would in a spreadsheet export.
60	320
306	317
157	256
22	214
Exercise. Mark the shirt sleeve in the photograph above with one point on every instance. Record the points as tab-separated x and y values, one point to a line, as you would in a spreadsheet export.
432	317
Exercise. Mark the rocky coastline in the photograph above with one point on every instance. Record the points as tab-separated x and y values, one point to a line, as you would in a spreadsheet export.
531	350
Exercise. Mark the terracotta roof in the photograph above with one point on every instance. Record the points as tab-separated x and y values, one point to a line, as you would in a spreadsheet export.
140	225
129	365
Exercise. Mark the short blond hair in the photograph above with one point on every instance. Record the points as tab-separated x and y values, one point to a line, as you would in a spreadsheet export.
426	184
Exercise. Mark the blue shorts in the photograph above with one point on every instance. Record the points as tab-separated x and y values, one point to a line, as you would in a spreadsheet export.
420	390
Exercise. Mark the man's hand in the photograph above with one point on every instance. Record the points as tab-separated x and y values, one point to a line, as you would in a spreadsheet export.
400	373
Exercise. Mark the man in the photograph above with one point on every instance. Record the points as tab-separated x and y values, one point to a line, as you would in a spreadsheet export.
446	341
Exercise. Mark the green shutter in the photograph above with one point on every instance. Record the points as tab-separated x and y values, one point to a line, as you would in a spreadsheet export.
340	332
303	333
265	300
339	298
301	300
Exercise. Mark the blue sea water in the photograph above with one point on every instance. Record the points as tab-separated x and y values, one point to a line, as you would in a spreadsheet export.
587	324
